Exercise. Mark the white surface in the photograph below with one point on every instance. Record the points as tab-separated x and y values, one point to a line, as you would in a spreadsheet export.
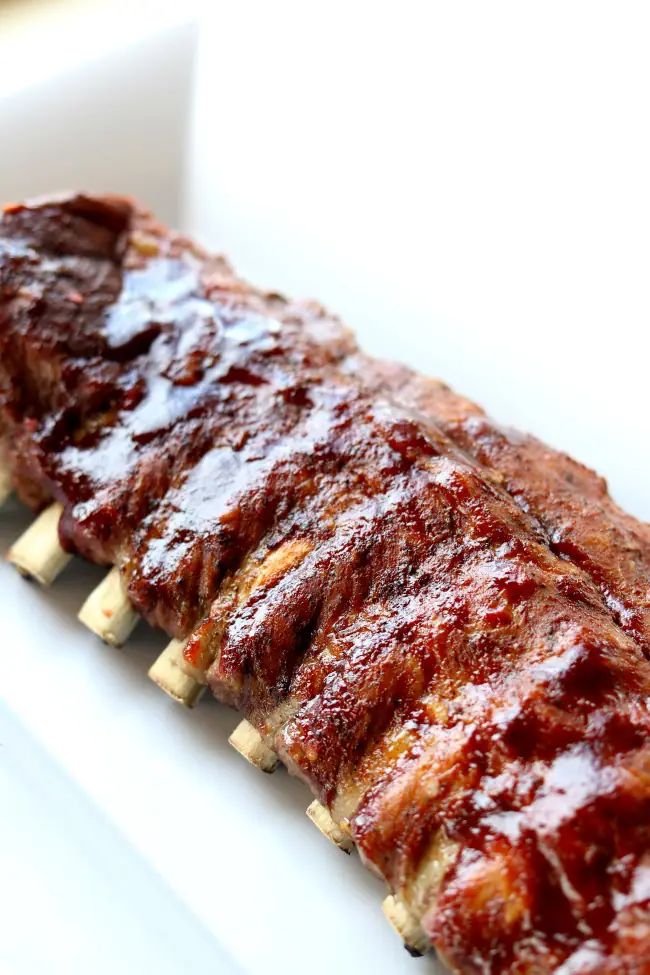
467	184
40	39
80	898
99	107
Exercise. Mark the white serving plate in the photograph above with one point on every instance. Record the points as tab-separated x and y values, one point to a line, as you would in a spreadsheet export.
131	835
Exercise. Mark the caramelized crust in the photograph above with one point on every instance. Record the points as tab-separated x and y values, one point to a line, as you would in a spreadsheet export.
157	367
570	502
440	625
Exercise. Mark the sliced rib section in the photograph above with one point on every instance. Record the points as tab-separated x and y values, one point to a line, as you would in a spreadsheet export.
437	624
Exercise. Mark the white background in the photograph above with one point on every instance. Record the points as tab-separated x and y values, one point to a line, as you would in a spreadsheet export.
468	185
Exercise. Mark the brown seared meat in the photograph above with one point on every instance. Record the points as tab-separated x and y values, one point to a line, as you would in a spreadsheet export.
460	697
438	624
133	354
570	501
123	366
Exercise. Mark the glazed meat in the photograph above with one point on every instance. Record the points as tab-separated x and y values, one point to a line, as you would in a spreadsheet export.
153	356
438	624
128	354
570	501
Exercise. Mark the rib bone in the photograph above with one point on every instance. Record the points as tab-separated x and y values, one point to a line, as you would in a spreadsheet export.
321	818
108	611
6	486
37	554
407	927
248	742
169	674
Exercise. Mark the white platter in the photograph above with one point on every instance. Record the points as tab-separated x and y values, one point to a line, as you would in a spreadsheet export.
131	835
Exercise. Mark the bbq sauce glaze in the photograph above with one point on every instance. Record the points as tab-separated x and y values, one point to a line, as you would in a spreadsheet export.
384	611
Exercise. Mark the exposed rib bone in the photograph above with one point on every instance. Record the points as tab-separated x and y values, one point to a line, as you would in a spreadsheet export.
407	927
37	554
6	486
168	673
416	897
249	743
108	611
321	818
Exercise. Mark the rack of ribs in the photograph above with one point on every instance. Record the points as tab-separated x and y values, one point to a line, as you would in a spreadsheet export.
442	626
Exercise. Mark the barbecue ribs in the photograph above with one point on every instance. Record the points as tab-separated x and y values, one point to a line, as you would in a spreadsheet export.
442	626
